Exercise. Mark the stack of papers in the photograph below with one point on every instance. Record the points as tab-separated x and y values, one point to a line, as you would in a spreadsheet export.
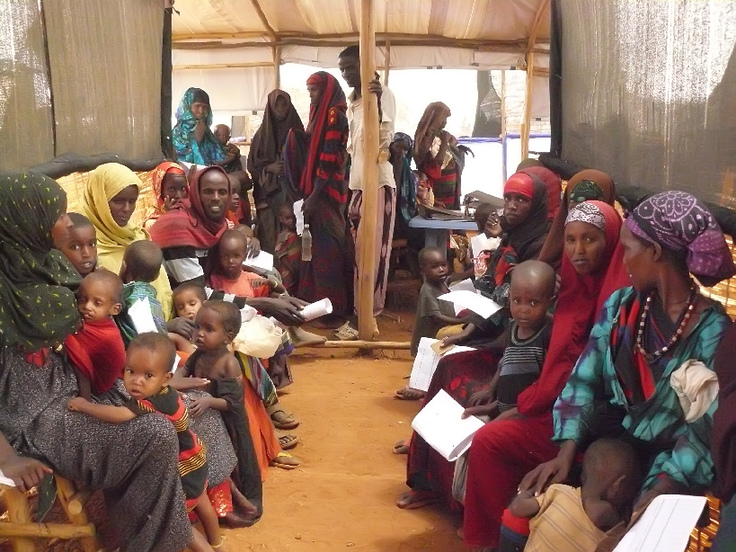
482	243
440	424
264	261
426	361
479	304
299	216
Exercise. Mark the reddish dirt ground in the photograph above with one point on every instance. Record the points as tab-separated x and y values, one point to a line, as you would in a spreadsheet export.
343	496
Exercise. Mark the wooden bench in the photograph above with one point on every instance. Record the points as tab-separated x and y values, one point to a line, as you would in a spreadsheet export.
22	530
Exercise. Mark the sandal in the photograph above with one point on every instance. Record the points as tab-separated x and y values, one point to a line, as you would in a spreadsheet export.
285	461
346	332
406	393
417	499
401	447
288	442
282	420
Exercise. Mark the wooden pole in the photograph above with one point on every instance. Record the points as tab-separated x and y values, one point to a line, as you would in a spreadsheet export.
360	344
526	125
504	163
367	229
387	63
277	66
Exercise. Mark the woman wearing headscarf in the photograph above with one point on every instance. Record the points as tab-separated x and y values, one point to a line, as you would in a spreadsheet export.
587	185
437	155
38	432
504	450
552	183
192	135
315	168
646	339
109	201
406	183
170	187
266	165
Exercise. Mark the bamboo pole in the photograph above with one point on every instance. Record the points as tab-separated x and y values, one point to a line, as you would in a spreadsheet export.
225	65
504	162
277	66
367	229
361	344
387	63
526	124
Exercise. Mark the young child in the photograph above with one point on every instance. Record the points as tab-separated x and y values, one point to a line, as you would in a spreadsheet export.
141	265
576	519
232	161
432	314
80	245
96	350
229	275
146	378
218	322
288	251
188	299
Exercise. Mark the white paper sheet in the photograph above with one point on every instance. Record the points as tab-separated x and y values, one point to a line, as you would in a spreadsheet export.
466	284
263	260
425	363
482	243
440	424
177	360
6	480
140	315
317	309
299	216
665	526
476	302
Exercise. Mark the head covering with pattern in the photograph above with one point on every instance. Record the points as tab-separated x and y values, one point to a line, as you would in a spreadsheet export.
37	308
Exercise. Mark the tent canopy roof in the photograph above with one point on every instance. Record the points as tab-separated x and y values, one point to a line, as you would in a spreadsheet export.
497	25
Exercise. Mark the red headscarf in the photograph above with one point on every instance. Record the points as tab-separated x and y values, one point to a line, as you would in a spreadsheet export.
98	352
552	182
332	97
579	300
190	226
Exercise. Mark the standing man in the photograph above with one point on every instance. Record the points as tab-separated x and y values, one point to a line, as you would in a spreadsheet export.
349	64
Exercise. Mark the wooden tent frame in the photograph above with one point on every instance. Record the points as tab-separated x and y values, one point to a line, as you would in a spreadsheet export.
368	39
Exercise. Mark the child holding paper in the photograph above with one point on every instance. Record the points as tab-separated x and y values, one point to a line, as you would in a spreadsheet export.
96	350
432	314
140	267
229	275
576	519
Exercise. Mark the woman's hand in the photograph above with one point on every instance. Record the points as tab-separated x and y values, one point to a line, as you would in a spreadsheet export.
276	167
199	406
181	326
254	247
309	207
479	398
480	410
549	473
25	472
200	129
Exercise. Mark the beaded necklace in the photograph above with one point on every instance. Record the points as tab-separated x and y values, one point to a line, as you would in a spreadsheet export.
683	319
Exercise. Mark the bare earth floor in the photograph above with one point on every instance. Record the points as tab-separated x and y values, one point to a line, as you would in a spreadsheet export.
343	497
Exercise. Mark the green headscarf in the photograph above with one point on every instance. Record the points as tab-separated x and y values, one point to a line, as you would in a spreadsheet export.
37	308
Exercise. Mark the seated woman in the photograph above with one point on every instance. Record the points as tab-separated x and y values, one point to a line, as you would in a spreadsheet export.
170	187
38	434
591	268
109	201
620	386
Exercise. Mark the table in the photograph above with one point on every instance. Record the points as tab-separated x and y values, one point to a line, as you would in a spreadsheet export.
437	232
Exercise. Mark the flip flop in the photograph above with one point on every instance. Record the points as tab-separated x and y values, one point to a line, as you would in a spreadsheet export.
416	499
408	394
282	420
288	442
400	447
346	332
285	461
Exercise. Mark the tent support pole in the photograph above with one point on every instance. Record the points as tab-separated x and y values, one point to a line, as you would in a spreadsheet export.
387	62
504	162
526	125
367	229
277	66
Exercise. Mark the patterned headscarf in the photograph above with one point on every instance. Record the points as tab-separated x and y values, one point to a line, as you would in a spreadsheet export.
157	180
187	148
105	182
587	212
37	308
589	185
679	222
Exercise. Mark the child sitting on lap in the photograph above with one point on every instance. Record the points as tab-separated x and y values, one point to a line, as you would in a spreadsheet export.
80	245
146	378
96	350
288	251
213	364
187	299
141	266
576	519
